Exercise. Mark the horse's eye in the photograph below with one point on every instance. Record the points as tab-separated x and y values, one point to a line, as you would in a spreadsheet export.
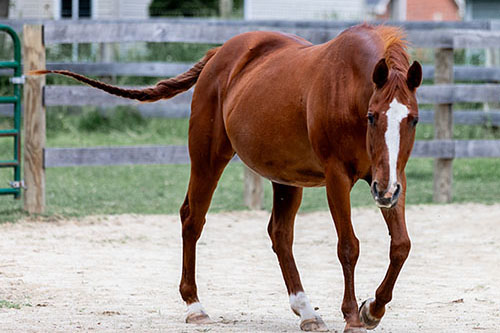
371	118
414	121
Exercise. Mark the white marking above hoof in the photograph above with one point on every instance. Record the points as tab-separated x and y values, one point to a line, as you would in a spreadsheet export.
309	319
366	317
196	314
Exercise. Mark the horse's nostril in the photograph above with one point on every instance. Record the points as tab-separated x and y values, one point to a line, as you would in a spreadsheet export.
397	192
374	189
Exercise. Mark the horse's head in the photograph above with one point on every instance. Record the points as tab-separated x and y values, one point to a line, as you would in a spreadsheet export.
392	118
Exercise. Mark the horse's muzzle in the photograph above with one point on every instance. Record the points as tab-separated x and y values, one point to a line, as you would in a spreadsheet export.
385	199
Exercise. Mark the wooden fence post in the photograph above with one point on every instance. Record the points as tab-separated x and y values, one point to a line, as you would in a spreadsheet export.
253	192
443	127
34	120
225	8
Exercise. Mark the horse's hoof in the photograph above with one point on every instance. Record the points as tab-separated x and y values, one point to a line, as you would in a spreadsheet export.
199	318
315	324
366	318
355	330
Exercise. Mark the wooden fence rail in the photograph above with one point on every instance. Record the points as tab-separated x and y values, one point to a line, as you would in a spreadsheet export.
164	109
144	155
169	69
280	25
442	36
217	32
427	94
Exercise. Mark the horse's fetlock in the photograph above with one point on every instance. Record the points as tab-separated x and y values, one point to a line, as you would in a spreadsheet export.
188	292
349	309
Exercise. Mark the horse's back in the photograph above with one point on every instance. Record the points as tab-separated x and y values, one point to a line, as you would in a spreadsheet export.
245	52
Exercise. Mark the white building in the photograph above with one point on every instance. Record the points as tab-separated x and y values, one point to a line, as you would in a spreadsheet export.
94	9
305	10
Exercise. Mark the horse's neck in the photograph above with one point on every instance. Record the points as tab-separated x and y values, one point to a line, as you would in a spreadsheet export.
344	79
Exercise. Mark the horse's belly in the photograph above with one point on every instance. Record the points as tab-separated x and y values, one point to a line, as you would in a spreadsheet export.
302	177
283	171
284	157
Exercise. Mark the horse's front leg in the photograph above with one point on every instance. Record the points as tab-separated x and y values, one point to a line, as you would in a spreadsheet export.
338	188
372	310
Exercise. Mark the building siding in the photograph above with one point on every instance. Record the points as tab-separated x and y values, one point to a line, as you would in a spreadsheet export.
31	9
134	9
105	9
304	9
102	9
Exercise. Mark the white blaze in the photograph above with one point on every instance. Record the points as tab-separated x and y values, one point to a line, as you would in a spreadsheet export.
396	113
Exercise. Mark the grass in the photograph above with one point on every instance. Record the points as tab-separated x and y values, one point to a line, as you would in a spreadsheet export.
160	189
121	128
11	305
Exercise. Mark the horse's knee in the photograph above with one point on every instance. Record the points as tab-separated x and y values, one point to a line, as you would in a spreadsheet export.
192	230
400	251
191	225
277	243
348	251
184	210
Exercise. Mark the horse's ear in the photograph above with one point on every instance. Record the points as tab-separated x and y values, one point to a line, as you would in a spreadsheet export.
414	76
380	73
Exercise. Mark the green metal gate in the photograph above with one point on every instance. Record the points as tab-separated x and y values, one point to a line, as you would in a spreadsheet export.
17	80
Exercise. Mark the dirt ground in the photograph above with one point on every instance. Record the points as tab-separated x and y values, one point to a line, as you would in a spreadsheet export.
121	273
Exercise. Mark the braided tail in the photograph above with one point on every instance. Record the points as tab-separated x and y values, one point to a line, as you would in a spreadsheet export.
162	90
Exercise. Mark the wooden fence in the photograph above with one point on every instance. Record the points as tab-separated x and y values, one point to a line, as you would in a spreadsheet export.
443	37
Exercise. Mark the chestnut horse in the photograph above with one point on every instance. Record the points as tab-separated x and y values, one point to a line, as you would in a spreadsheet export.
301	115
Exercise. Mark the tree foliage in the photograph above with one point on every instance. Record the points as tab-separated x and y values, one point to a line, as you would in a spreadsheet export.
184	8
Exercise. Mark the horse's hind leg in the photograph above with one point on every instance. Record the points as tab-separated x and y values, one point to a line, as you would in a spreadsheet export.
286	202
210	151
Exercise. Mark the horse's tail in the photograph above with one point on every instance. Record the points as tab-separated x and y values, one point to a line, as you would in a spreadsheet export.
162	90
